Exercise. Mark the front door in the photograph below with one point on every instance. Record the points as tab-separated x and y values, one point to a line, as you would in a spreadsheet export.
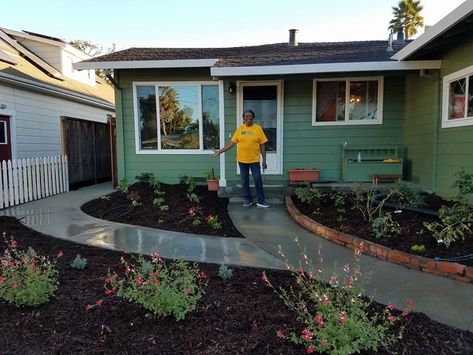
265	100
5	139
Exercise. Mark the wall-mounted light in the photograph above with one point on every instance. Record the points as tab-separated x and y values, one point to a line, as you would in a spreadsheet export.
3	106
231	88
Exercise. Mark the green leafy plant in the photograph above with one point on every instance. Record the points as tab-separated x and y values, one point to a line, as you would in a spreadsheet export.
384	226
464	184
339	200
364	202
225	273
26	278
404	195
210	175
163	207
214	222
170	288
146	178
193	197
196	222
418	248
308	193
455	222
79	262
158	201
123	186
336	318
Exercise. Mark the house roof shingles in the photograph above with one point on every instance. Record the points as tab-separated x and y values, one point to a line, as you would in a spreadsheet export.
269	54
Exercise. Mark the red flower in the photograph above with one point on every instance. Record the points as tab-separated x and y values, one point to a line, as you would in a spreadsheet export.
310	349
306	334
342	317
392	318
14	285
280	334
201	276
108	292
12	244
157	282
99	302
390	307
1	279
138	281
107	280
127	270
405	313
320	320
60	253
411	304
188	292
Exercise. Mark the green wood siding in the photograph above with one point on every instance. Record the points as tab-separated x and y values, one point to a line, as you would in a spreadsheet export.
455	144
166	167
307	146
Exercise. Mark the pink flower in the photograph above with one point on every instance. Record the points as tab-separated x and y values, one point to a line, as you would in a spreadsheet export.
156	258
320	320
127	270
405	313
306	334
1	279
107	280
342	317
323	341
60	253
324	299
264	278
390	307
108	292
411	304
89	307
14	285
310	349
99	302
153	274
202	276
188	292
139	281
392	318
157	282
12	244
280	334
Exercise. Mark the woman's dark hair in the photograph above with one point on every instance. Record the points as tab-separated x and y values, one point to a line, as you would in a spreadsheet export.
248	111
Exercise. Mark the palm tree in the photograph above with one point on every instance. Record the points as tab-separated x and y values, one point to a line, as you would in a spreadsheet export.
407	16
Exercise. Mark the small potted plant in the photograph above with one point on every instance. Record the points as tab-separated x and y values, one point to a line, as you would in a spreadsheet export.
212	181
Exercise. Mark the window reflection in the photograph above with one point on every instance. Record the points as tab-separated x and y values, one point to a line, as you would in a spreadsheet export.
147	117
456	107
210	116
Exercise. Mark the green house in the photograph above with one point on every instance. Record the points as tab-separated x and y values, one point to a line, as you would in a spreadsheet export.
316	102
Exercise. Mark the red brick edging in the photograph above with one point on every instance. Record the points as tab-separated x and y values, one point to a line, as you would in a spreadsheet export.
455	271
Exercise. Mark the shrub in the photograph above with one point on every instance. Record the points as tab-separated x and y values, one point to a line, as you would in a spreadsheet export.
364	202
193	197
335	317
385	226
418	248
464	184
455	222
214	222
146	178
123	186
225	273
164	289
26	279
79	262
405	195
308	193
339	200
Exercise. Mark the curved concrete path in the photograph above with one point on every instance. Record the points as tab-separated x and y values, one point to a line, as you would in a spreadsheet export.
445	300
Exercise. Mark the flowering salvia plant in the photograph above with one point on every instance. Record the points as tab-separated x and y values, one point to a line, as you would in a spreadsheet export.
335	316
170	288
26	278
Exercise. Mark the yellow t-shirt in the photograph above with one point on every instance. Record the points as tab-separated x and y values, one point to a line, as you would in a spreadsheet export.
249	140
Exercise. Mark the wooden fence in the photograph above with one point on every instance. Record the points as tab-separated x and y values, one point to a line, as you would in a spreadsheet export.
24	180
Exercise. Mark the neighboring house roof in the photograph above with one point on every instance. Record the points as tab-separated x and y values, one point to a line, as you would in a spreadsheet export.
457	23
20	66
279	58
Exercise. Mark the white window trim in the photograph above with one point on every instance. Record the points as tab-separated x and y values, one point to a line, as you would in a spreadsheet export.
157	84
348	122
447	79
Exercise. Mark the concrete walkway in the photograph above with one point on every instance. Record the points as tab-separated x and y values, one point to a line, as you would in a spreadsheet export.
445	300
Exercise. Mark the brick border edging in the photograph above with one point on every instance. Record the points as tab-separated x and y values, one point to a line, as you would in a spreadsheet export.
454	271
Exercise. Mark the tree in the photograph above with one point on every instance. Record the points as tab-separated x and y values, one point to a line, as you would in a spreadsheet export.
407	16
86	47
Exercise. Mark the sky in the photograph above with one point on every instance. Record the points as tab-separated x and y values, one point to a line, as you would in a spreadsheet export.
209	23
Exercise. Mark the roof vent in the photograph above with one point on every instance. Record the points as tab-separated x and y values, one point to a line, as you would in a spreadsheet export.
390	43
400	35
293	38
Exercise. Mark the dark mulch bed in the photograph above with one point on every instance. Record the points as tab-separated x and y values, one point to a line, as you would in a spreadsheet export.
117	207
412	229
239	317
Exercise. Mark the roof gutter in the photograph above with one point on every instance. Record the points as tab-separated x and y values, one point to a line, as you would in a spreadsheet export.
50	89
146	64
325	68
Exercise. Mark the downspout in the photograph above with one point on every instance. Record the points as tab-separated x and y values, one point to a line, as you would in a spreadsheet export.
436	116
121	169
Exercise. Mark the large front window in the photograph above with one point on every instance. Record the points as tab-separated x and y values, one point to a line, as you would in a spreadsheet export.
177	116
458	98
347	101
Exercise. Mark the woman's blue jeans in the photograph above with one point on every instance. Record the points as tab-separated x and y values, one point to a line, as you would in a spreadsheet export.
245	181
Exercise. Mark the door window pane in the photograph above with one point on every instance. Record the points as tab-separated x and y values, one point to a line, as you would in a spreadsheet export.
147	117
470	97
3	132
330	101
456	98
179	117
262	100
210	116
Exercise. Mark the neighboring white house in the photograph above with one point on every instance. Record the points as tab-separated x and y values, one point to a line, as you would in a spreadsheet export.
39	90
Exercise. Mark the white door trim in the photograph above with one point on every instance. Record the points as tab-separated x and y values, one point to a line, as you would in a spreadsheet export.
278	169
13	142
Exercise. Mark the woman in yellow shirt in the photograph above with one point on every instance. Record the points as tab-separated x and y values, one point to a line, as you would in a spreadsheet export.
250	140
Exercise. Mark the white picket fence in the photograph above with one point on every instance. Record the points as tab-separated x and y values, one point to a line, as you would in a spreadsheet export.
24	180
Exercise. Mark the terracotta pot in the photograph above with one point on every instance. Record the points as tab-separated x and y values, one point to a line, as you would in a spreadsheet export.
301	175
212	185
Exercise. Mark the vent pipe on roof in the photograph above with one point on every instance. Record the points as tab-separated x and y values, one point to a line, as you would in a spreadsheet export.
390	43
400	35
293	38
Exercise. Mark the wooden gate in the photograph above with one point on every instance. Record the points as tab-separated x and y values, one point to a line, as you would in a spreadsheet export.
87	145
